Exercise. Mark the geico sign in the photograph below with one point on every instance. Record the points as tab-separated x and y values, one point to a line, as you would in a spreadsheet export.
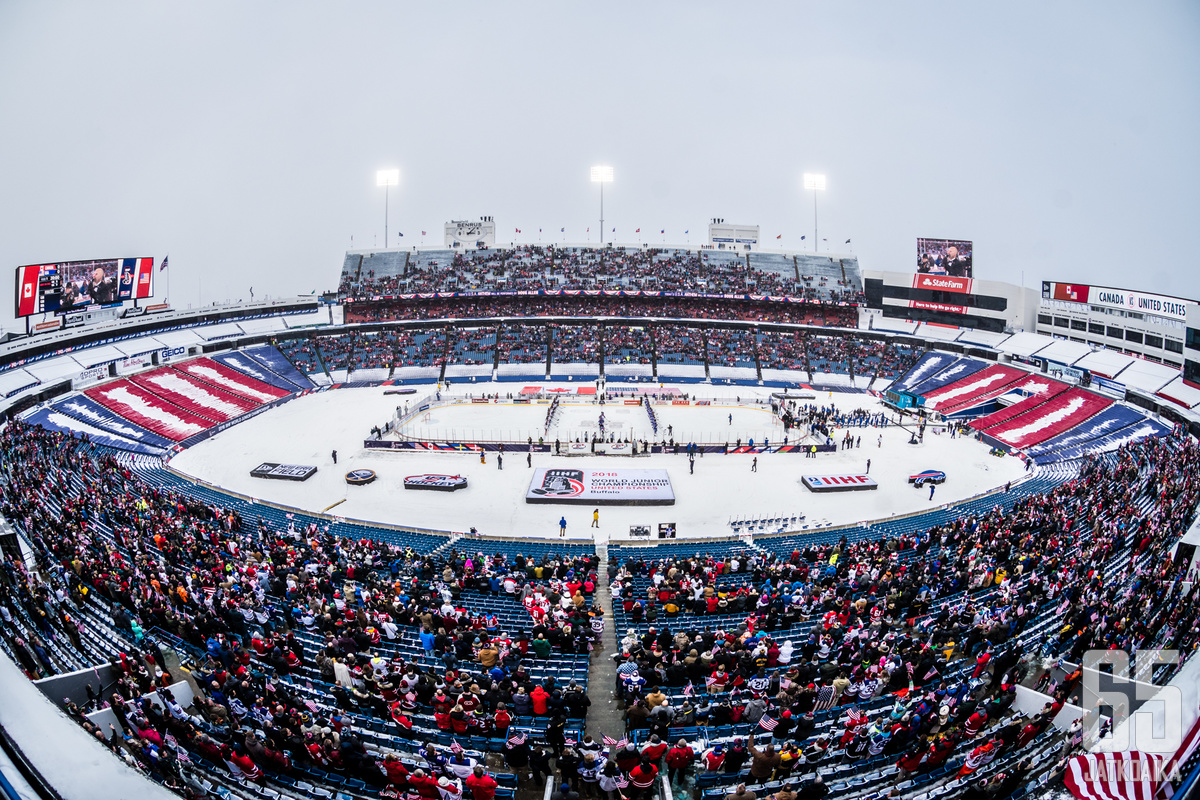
167	353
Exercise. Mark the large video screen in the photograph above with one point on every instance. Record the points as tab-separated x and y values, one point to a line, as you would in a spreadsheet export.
946	257
75	285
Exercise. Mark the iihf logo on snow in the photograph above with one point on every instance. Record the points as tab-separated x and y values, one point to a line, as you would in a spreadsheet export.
561	483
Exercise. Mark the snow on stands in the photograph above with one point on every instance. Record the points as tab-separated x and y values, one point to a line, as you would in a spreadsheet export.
1059	414
206	401
1109	421
268	365
1142	430
930	364
56	421
148	410
85	409
983	385
1042	390
962	368
221	376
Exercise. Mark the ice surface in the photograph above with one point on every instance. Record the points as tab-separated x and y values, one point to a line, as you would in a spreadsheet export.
307	430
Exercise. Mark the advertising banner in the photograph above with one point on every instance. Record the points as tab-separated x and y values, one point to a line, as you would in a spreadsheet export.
284	472
942	283
838	483
596	487
937	307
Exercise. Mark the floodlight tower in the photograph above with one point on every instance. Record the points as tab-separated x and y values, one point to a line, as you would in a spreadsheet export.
816	183
386	178
602	175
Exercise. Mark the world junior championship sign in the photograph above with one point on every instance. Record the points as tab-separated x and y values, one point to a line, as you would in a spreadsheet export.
601	487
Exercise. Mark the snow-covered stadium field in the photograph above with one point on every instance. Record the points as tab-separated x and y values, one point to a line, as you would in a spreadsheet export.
308	429
723	421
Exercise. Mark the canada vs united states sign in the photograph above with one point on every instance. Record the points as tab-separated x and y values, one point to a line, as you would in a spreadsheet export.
601	487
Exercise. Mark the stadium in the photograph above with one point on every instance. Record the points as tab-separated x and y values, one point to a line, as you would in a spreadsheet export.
709	517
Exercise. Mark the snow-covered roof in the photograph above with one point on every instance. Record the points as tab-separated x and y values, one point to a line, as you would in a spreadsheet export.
1105	362
138	346
223	330
1064	352
180	338
984	338
1148	376
1181	393
15	380
264	325
1025	343
54	369
897	325
939	332
95	356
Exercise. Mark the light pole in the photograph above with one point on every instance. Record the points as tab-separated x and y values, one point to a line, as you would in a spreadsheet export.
602	175
386	178
816	183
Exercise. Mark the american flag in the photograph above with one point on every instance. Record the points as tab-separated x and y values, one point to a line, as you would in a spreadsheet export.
455	747
768	724
570	742
310	705
622	782
615	744
710	680
689	690
518	739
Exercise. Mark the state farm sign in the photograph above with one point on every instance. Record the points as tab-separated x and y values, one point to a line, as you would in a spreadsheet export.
942	283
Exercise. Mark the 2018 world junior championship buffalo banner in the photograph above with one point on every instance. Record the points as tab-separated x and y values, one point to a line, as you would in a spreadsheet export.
601	487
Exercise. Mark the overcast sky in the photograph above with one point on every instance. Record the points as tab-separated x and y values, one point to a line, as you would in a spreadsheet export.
243	138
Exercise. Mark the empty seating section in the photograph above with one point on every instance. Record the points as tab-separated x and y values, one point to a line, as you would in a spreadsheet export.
1049	419
575	344
731	348
627	345
522	344
474	346
987	383
267	364
677	344
380	271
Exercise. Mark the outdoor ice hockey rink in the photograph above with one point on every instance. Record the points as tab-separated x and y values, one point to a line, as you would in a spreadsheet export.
307	431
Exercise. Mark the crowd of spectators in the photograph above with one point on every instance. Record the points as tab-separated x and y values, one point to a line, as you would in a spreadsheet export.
678	344
624	344
520	343
831	353
302	352
909	648
604	306
731	347
474	346
783	350
575	344
246	597
536	268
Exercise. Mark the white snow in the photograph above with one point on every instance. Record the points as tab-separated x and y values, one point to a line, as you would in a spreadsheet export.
70	423
307	429
212	376
1016	435
941	398
136	404
194	392
115	427
248	366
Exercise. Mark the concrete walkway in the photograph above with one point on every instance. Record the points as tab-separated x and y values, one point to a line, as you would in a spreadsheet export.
606	715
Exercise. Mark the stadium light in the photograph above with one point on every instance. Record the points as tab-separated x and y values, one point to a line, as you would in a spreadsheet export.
814	183
386	178
602	175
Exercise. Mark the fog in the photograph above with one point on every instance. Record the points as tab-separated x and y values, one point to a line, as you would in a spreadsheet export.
243	139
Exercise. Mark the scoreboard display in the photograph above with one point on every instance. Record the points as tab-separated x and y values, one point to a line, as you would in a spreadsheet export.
75	285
